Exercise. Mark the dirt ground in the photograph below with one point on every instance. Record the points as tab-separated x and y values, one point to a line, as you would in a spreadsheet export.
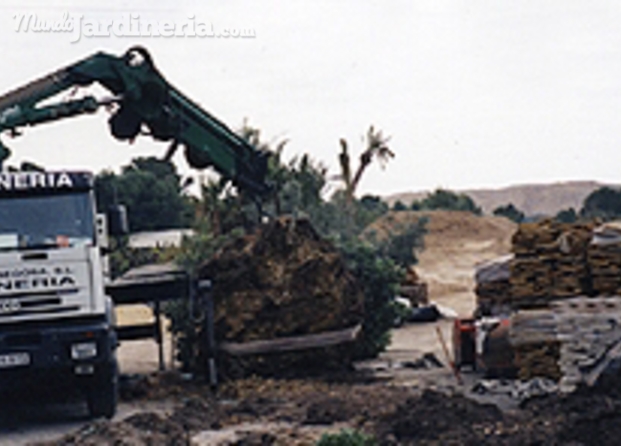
406	396
300	412
142	356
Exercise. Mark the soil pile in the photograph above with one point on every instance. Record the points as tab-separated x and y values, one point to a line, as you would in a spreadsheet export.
435	417
282	281
291	412
581	418
146	428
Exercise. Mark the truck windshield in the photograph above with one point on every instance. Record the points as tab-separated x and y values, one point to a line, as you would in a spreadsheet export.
43	221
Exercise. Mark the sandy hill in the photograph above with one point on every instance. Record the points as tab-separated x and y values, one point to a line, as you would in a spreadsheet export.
454	244
532	199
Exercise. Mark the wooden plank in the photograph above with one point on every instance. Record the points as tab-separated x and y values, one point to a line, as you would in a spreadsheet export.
149	283
145	292
292	343
134	332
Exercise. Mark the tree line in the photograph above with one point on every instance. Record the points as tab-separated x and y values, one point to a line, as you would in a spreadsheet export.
603	204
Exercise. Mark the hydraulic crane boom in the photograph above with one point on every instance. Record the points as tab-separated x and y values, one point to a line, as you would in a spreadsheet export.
147	103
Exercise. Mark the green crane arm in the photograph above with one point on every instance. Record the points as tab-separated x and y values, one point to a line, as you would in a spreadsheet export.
147	103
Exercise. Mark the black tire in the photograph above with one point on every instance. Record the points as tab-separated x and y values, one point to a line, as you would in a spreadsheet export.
102	394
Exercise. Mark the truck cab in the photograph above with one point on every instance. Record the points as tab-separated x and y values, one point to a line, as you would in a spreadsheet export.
56	322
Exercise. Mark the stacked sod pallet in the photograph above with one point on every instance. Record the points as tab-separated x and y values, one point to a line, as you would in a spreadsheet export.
493	286
550	262
574	271
604	257
533	336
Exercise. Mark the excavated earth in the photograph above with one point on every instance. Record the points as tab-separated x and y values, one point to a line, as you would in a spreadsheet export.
282	281
298	412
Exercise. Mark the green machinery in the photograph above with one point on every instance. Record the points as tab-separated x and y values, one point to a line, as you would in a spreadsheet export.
145	104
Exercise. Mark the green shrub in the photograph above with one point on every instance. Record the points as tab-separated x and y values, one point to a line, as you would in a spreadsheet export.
400	246
347	437
448	200
379	278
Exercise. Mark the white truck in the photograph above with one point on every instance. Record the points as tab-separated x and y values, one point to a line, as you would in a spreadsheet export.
56	322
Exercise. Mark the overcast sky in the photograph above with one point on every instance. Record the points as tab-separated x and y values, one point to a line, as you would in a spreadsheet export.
474	93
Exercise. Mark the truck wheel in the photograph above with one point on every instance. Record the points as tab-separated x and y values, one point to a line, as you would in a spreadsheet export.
102	395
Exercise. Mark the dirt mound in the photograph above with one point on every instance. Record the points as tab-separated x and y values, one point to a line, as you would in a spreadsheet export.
583	418
196	414
436	417
285	280
448	227
276	411
141	429
282	281
454	244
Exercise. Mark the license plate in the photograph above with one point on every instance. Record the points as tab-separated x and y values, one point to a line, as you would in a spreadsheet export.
14	360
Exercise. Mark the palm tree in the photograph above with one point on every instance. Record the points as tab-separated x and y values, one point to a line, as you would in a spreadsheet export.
376	147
